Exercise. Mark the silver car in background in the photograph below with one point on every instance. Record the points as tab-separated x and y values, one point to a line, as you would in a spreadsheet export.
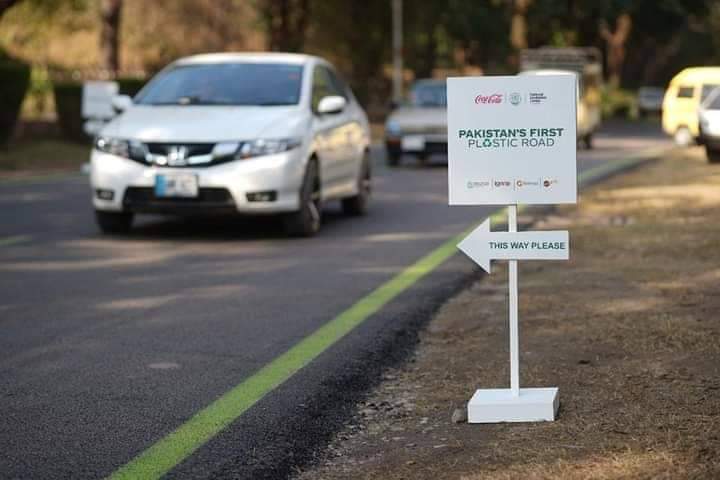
419	127
650	100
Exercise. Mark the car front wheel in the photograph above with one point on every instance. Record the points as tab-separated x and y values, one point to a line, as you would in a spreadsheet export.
114	222
713	155
683	137
306	221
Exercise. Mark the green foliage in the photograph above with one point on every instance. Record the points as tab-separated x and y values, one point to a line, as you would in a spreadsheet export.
481	30
38	102
358	50
68	106
15	77
619	103
130	85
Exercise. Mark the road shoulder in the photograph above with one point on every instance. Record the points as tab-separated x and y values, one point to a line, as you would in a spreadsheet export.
626	329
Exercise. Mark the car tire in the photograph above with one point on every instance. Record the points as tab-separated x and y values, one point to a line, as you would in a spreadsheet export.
306	221
423	159
588	141
358	204
683	137
393	158
114	222
713	156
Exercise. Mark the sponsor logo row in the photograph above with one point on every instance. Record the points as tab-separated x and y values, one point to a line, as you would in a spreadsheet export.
511	184
513	98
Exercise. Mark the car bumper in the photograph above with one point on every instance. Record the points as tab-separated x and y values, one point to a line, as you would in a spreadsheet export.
430	144
226	188
711	139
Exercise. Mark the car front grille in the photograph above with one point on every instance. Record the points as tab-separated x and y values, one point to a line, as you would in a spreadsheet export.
209	200
179	155
191	149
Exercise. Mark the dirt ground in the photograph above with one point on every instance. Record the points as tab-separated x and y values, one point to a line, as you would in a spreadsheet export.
628	330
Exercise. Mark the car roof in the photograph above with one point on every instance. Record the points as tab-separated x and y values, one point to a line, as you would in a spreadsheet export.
547	71
250	57
693	74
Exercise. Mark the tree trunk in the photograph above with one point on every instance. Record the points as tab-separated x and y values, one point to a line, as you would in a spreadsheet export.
110	13
287	22
615	42
5	6
518	25
518	29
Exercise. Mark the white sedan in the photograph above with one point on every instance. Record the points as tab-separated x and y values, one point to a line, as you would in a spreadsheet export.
234	133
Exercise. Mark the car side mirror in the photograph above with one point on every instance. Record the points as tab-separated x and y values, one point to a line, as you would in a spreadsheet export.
331	104
120	103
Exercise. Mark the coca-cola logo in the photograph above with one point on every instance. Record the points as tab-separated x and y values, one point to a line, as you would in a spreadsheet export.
485	99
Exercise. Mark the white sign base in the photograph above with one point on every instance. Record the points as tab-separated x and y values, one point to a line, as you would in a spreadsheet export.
501	405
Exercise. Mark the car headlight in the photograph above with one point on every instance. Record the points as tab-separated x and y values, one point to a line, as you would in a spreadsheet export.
121	148
256	148
392	128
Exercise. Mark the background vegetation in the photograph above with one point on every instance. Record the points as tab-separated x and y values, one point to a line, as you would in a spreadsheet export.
644	42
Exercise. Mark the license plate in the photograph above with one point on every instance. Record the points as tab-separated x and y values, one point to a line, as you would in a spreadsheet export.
176	185
413	143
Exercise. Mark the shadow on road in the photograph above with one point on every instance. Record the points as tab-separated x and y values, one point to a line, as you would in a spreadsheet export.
222	228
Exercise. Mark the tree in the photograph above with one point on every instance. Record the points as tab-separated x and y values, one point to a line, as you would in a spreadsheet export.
518	26
5	6
616	46
286	22
479	33
110	14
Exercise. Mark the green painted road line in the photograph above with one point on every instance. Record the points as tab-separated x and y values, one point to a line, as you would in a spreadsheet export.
7	241
609	168
175	447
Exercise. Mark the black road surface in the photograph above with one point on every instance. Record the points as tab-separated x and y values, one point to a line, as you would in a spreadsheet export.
107	344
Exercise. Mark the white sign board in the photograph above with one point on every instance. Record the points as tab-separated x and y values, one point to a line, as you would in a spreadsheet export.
97	99
482	245
512	140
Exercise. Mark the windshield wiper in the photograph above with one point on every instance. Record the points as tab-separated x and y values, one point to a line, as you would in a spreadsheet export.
189	100
200	101
272	103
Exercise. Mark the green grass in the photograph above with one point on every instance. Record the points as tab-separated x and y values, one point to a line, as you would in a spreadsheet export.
43	155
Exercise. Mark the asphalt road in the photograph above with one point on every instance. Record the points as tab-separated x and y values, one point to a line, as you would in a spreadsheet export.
108	344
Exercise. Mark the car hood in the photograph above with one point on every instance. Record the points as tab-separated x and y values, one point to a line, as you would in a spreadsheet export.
196	123
419	117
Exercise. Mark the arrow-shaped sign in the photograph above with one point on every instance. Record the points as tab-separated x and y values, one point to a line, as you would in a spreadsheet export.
482	245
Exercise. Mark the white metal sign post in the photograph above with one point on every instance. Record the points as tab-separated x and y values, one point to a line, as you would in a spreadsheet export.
512	140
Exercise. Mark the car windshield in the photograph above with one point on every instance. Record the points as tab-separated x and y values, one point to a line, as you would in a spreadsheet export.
713	100
707	90
429	95
225	84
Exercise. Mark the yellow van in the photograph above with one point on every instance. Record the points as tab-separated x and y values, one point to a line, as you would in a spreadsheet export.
682	99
